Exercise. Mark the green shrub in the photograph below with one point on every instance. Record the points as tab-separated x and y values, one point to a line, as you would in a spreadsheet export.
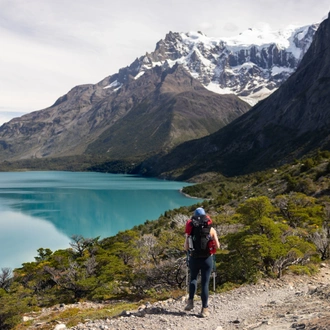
228	286
299	270
308	269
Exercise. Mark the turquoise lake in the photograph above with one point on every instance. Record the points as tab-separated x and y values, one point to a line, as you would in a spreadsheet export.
44	209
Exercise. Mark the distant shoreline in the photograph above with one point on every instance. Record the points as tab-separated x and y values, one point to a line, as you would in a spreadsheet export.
188	196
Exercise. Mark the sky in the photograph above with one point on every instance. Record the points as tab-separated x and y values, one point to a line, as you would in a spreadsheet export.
50	46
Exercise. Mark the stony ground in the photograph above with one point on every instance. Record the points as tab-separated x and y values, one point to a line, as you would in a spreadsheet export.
287	303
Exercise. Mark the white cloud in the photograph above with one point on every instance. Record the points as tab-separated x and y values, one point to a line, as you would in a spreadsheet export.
48	47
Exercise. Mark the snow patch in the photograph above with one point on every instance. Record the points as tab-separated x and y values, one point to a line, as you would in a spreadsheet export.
141	73
254	98
215	87
277	70
114	84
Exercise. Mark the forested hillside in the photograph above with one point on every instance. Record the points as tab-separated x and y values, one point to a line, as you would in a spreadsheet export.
269	223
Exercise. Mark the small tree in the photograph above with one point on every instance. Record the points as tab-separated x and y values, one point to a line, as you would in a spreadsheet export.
12	305
80	244
78	278
6	278
43	254
321	236
254	209
321	240
299	210
296	251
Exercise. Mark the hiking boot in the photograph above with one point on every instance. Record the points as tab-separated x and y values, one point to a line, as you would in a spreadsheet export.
190	305
205	312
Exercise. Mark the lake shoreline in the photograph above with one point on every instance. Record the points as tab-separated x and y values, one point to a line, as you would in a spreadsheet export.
50	206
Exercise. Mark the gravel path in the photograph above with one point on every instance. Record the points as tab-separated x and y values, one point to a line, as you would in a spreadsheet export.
287	303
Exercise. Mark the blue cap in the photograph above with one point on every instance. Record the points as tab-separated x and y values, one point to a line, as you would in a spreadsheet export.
199	211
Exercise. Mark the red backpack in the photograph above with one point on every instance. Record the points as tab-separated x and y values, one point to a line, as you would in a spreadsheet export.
198	231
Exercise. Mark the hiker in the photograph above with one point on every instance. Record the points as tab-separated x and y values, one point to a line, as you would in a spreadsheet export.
201	242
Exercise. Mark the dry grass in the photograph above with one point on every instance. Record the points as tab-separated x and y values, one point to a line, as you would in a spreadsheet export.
72	315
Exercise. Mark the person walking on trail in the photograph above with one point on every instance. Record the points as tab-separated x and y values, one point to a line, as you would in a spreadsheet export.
201	243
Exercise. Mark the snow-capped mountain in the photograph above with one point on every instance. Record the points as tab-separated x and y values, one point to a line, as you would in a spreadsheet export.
161	100
251	65
292	123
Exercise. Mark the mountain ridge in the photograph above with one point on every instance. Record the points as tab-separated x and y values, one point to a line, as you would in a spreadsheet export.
90	117
289	124
242	65
158	102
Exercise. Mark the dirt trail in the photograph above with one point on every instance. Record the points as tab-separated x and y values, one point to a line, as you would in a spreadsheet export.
288	303
292	302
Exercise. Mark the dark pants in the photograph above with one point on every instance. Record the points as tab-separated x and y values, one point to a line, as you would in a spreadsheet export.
205	266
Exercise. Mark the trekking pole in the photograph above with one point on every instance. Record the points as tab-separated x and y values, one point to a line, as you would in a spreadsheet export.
214	272
214	275
187	274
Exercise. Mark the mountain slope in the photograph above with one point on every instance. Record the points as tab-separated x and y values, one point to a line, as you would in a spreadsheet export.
179	109
291	122
162	99
155	112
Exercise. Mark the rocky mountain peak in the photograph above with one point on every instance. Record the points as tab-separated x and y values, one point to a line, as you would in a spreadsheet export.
252	65
291	123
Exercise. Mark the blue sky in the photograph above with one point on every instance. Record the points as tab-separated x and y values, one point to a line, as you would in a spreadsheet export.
50	46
